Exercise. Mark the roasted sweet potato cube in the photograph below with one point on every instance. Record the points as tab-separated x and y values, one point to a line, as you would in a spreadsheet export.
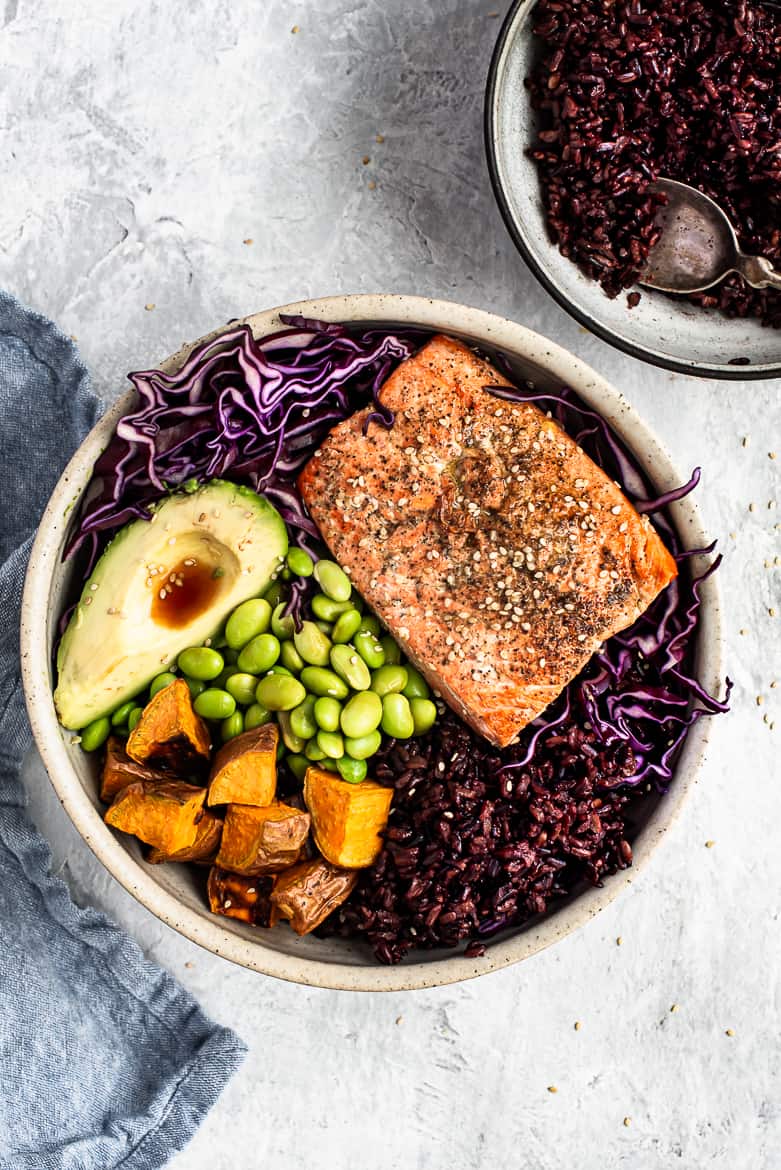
245	769
262	840
347	819
163	815
204	848
310	891
170	734
119	771
245	898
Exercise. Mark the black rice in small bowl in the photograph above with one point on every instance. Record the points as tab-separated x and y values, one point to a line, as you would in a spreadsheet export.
629	91
588	102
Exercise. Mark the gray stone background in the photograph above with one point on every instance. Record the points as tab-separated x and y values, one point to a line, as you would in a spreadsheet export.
144	144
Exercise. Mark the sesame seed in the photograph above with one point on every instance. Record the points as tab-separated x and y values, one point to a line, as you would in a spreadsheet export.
228	903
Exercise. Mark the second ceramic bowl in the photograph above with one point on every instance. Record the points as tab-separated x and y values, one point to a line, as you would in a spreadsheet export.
667	331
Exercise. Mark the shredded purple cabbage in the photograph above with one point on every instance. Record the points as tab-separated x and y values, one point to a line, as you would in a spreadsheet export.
250	411
255	411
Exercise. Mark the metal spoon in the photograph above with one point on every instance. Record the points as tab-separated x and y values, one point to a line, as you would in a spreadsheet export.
698	246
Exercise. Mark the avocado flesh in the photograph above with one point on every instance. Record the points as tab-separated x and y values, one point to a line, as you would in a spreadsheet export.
222	541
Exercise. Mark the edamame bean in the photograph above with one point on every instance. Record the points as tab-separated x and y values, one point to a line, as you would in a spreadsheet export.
201	662
95	734
314	752
277	668
369	649
290	658
353	771
293	742
232	726
258	655
331	743
214	704
327	712
279	692
388	679
333	580
282	625
392	651
320	681
302	718
300	562
256	716
370	625
325	627
424	715
349	665
327	609
362	714
120	716
249	619
274	594
196	686
242	686
360	747
298	765
134	718
347	624
396	717
160	683
312	644
417	687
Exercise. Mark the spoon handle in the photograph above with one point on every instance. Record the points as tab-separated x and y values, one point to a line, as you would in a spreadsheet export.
757	271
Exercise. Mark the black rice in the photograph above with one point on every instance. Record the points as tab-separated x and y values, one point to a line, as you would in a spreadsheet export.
473	847
629	91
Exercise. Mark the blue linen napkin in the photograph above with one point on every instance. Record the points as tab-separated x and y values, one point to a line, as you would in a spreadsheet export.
104	1060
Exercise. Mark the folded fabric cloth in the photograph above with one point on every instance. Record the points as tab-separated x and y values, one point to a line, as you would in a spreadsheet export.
104	1060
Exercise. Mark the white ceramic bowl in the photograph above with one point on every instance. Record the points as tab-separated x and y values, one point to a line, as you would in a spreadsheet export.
169	891
667	331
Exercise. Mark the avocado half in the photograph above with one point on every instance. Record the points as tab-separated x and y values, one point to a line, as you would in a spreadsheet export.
160	586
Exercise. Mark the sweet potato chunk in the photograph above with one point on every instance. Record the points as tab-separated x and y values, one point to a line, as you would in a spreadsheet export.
170	734
310	891
347	819
163	815
262	840
119	771
245	769
245	898
204	848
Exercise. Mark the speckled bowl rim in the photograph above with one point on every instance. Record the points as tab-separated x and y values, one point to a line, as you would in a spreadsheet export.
518	14
208	932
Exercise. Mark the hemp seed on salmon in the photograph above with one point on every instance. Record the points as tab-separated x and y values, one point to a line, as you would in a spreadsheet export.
495	551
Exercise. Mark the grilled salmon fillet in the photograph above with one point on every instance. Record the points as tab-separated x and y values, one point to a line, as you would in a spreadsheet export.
496	552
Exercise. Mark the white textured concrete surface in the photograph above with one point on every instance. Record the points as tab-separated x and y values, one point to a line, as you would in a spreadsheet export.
142	144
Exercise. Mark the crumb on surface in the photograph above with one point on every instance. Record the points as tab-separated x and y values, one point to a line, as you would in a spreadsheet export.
149	306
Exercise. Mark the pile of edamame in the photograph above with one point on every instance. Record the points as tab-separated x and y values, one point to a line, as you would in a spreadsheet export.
334	686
